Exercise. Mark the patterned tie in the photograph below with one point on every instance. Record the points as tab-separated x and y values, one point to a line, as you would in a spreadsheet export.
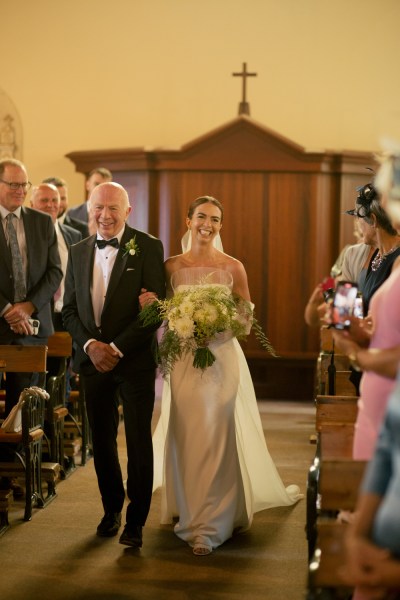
17	267
103	243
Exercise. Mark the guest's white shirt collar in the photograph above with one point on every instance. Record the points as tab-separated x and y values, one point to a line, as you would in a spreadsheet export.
4	212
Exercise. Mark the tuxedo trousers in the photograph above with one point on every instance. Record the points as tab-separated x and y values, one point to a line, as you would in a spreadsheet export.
103	393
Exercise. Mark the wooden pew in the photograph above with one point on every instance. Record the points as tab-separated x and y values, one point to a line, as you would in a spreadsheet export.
339	486
325	360
324	580
60	348
326	340
335	409
77	431
31	358
334	423
32	468
339	483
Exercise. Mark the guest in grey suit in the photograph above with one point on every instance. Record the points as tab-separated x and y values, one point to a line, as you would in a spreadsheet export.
95	178
116	355
63	217
29	294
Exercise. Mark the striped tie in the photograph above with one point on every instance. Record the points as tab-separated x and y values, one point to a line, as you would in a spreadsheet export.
17	267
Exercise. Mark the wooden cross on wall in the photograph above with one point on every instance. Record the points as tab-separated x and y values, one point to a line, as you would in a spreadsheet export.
244	106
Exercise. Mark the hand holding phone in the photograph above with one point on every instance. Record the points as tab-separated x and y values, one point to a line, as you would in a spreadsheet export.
34	323
343	304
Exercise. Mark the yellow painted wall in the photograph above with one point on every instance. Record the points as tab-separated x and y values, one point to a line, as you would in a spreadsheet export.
87	74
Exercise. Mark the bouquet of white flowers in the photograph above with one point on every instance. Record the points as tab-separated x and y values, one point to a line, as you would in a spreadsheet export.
195	316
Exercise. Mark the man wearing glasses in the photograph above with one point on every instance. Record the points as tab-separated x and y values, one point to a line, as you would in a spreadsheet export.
30	271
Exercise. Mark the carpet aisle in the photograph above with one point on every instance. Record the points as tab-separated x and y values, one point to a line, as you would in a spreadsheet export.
57	555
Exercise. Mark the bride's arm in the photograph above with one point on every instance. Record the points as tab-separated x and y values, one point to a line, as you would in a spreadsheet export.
240	284
148	297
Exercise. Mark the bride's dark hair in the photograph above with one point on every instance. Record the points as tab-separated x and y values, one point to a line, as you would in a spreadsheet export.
205	200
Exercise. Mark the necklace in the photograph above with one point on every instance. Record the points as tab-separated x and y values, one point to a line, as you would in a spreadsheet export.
379	258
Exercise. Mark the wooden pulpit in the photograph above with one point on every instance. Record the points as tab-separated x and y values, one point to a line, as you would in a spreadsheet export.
284	219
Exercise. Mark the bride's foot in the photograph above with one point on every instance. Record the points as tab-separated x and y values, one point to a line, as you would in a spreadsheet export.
201	550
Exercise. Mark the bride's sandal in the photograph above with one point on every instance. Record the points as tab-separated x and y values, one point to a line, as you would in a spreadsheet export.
201	550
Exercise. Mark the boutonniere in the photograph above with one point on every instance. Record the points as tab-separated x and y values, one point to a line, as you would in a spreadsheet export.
131	247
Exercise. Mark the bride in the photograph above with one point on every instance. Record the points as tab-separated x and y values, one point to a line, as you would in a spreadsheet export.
211	459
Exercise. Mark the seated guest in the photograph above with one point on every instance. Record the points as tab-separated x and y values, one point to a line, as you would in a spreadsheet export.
63	217
95	177
377	230
46	198
373	345
30	271
373	537
353	267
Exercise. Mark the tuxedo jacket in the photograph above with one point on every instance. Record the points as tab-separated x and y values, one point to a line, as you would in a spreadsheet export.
79	212
43	272
119	319
70	235
76	224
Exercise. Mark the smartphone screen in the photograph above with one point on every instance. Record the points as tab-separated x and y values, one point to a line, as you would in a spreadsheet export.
343	304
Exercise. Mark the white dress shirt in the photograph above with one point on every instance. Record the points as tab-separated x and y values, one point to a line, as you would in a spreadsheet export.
63	251
104	260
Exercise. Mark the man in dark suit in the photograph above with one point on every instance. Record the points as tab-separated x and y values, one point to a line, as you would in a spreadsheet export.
46	198
63	217
115	354
25	294
95	178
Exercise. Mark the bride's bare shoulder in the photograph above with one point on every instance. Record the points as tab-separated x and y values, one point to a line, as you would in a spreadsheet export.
174	263
232	264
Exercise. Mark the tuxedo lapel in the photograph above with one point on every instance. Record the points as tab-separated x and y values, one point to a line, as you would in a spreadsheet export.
86	274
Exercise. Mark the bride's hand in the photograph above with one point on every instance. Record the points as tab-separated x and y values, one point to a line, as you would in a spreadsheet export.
146	297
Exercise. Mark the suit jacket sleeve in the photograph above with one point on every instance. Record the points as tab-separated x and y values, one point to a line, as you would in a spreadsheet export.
44	278
79	323
131	338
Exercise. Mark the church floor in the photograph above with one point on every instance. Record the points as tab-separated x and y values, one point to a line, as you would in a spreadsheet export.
56	555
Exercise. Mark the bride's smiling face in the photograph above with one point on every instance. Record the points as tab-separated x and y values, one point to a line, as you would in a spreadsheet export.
205	222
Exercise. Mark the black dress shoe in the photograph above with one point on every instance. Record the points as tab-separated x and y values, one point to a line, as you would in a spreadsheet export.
109	525
132	536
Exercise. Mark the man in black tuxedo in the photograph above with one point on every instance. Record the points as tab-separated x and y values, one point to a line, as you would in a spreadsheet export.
115	354
63	217
25	292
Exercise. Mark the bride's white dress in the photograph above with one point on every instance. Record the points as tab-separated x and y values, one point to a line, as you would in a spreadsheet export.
211	459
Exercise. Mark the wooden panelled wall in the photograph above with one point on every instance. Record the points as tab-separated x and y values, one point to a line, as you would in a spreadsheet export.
283	219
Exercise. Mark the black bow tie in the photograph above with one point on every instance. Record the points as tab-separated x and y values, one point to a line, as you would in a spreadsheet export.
103	243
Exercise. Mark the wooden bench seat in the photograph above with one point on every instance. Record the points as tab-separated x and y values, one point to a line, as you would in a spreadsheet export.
30	439
339	483
76	426
334	423
27	359
50	473
341	362
335	409
59	352
329	557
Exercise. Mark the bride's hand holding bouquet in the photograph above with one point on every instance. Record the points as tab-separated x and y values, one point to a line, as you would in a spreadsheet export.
194	317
